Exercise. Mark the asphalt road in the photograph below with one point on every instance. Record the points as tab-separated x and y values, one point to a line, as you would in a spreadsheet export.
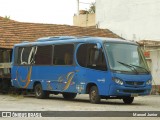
80	103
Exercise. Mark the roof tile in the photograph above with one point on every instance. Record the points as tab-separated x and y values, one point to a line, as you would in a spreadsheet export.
12	32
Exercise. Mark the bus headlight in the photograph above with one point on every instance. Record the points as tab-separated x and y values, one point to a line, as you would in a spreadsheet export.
149	82
118	81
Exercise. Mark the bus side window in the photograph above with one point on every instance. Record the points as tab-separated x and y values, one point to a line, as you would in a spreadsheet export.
82	55
96	59
43	55
63	54
23	55
91	57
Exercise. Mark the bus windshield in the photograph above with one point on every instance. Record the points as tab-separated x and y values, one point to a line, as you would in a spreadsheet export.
126	58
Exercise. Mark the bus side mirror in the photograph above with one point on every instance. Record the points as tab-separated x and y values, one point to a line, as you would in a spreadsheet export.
98	46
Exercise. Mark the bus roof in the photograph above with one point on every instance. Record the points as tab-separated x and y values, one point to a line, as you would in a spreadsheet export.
72	39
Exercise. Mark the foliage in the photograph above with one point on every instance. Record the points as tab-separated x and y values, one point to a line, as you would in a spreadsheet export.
7	17
92	8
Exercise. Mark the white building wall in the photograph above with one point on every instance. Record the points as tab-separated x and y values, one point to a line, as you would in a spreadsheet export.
155	66
131	19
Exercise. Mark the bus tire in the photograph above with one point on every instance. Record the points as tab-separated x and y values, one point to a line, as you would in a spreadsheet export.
128	100
69	96
94	95
1	85
39	92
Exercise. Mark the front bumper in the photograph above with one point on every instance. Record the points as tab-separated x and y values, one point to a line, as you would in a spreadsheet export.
117	90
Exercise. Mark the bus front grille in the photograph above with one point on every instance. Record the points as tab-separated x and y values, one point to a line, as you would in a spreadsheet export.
133	83
133	91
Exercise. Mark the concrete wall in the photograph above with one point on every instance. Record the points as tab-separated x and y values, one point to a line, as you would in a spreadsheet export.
84	20
155	65
131	19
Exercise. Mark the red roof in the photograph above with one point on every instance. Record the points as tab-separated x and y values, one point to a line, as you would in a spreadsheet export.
12	32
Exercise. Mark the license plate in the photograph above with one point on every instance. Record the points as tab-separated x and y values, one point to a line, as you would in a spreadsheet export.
134	95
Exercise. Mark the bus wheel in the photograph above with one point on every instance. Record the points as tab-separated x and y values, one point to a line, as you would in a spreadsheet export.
128	100
1	85
69	96
94	95
39	92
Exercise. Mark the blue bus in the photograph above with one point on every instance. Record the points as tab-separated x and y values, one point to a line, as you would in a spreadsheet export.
104	68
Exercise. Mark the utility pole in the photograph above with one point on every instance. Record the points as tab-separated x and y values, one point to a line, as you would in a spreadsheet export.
77	7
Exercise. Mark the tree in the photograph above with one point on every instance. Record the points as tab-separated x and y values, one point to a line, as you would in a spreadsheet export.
92	8
7	17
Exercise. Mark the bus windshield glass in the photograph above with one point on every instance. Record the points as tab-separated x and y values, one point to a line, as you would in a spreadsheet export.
126	58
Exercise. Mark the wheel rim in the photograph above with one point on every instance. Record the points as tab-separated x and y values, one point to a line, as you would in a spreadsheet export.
93	95
38	91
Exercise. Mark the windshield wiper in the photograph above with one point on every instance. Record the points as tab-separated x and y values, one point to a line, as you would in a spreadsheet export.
141	67
129	66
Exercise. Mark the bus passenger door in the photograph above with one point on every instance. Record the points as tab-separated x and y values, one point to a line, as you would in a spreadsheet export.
92	68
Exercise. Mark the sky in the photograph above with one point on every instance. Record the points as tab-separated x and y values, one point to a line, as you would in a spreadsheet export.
42	11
